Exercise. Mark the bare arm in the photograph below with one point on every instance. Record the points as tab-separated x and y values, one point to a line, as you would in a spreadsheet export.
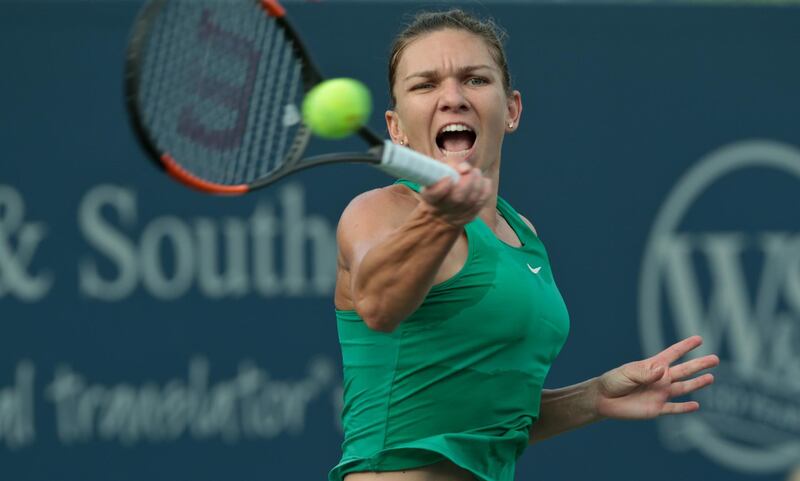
393	256
636	390
565	409
393	270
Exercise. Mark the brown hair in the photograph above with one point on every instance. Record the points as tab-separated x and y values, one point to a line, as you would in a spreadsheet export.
428	22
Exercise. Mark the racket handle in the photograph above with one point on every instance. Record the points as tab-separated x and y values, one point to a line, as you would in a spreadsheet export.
402	162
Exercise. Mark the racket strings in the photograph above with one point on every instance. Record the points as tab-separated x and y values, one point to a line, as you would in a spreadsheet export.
246	166
242	168
273	136
267	120
263	156
290	113
220	83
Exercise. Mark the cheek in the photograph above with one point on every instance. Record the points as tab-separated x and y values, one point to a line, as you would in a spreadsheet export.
496	122
495	107
415	117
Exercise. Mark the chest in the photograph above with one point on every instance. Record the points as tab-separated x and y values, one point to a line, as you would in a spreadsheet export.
500	312
457	257
519	296
501	294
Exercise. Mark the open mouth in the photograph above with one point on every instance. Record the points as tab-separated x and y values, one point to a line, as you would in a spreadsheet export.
456	139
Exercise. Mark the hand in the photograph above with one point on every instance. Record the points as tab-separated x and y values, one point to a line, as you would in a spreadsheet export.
642	389
458	203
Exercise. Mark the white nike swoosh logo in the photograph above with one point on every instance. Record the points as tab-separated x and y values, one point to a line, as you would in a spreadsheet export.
535	270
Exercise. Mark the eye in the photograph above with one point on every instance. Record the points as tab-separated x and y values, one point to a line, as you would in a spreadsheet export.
422	86
477	81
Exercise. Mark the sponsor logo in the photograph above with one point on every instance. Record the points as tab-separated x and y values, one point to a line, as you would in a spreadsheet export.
279	249
19	242
723	261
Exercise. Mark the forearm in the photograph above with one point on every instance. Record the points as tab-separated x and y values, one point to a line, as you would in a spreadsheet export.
565	409
396	274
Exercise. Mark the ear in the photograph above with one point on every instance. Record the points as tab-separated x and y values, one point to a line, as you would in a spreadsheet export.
513	111
394	126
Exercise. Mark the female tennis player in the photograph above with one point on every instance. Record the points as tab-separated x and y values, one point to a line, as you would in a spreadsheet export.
448	314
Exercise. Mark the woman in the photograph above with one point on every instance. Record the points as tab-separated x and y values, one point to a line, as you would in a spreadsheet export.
448	314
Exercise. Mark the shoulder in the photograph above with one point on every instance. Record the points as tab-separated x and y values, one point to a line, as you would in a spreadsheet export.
382	205
373	214
524	219
529	224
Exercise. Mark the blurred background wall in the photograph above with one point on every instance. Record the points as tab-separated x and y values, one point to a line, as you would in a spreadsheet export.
150	332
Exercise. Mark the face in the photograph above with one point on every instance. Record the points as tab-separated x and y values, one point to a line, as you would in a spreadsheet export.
451	104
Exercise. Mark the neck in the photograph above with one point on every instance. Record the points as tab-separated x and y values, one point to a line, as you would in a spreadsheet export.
488	213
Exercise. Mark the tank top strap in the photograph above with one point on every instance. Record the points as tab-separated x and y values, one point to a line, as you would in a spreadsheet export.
524	232
473	230
509	213
411	185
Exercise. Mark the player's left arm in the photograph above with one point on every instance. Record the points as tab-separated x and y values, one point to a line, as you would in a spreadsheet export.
636	390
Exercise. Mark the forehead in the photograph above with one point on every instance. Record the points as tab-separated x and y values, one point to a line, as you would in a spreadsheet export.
444	50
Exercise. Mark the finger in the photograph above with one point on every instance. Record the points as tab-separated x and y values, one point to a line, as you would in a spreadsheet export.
679	349
678	389
486	191
436	192
463	190
690	368
464	168
680	408
476	193
643	373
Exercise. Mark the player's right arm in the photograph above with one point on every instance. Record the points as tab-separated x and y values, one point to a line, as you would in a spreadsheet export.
392	248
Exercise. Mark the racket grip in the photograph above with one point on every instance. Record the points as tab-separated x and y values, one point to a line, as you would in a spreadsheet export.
402	162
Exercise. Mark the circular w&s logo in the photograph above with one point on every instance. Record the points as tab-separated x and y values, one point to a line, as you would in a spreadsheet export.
723	260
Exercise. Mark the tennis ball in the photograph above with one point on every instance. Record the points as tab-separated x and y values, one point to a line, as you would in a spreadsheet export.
336	108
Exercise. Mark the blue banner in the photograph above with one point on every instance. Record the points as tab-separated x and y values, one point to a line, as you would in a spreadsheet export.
151	332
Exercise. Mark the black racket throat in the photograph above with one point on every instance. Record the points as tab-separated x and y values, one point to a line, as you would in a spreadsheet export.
338	158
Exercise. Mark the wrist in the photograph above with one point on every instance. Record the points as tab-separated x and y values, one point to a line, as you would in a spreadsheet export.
436	217
591	400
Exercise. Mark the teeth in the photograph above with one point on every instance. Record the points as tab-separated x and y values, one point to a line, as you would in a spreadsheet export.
456	128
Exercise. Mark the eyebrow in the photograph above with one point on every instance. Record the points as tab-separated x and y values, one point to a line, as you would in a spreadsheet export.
461	71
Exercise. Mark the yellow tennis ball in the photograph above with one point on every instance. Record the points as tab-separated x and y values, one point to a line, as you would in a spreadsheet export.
337	108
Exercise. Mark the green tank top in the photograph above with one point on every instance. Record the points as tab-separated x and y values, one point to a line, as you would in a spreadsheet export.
461	378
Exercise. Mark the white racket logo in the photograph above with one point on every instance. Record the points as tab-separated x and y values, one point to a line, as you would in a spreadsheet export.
291	115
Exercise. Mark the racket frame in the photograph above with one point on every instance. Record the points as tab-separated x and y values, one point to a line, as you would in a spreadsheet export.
311	76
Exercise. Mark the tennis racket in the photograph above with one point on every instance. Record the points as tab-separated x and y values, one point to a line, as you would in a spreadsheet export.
213	89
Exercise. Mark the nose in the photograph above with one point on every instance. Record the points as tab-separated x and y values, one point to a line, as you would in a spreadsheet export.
452	98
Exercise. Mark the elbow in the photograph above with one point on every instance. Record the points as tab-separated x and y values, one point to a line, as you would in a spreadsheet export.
376	316
381	325
536	435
